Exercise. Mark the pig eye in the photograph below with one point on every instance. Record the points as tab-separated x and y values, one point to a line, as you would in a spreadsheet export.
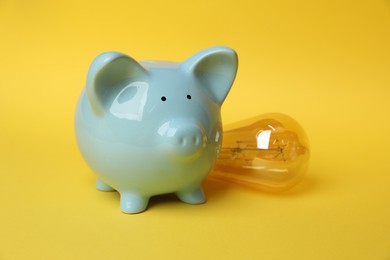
189	97
163	98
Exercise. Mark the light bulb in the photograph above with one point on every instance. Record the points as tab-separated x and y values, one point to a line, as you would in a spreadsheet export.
269	152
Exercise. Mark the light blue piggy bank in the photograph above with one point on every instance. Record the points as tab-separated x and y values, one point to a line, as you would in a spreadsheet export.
153	127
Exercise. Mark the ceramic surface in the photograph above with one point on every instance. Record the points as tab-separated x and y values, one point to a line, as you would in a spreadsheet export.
150	127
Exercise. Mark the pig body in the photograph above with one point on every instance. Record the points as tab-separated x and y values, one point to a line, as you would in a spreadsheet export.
153	127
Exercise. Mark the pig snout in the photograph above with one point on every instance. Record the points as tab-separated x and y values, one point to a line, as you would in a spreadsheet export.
190	139
187	138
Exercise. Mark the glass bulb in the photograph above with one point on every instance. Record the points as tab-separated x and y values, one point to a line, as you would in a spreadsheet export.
269	152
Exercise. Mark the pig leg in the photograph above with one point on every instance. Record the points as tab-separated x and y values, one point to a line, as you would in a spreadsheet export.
133	203
101	185
192	196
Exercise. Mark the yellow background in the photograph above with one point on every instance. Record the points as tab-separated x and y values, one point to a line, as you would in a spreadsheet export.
325	63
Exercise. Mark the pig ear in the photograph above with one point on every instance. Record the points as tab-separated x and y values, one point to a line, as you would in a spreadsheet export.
216	69
108	70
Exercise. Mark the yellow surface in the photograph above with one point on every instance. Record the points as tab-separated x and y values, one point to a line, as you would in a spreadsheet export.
325	63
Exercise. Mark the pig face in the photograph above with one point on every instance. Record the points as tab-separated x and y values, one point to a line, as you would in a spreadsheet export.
160	118
154	94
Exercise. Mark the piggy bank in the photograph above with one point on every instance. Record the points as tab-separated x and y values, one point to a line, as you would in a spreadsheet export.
153	127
